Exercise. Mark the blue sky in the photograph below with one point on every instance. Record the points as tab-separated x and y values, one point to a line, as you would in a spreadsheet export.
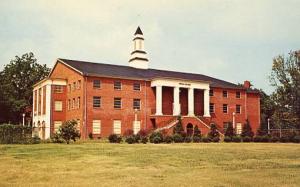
231	40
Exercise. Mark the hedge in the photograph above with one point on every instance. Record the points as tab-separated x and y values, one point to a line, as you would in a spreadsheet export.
15	134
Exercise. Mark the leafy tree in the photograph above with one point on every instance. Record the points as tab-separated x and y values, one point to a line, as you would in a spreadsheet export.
16	81
68	131
247	130
178	129
230	131
267	109
213	134
285	77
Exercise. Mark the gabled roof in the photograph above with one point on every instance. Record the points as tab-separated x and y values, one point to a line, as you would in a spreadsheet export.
109	70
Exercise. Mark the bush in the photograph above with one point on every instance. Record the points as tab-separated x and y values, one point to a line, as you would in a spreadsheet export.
68	131
188	139
35	140
296	139
10	134
215	139
137	138
257	139
130	139
274	139
168	139
56	138
284	139
247	139
196	139
156	134
236	139
206	139
157	139
113	138
214	134
197	131
265	139
143	133
229	130
144	140
91	136
227	139
247	130
178	138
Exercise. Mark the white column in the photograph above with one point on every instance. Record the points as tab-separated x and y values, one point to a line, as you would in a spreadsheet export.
158	100
191	102
206	103
176	104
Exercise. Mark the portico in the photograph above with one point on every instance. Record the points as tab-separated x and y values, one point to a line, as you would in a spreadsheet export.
178	86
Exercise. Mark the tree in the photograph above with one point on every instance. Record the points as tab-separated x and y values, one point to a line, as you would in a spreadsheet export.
16	81
213	134
68	131
178	129
285	77
229	130
247	130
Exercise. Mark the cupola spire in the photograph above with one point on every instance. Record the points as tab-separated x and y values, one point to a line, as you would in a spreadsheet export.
138	58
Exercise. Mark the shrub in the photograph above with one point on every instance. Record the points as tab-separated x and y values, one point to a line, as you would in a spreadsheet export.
157	139
143	133
128	132
274	139
229	130
265	138
156	134
196	139
206	139
215	139
91	136
197	131
56	138
188	139
247	130
178	127
296	139
68	131
137	138
257	139
178	138
213	132
236	139
227	139
15	134
113	138
35	140
284	139
168	139
144	140
130	139
247	139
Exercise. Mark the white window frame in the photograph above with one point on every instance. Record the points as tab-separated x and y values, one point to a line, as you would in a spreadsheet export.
136	126
213	107
117	106
226	109
139	106
117	126
56	125
239	127
58	106
96	126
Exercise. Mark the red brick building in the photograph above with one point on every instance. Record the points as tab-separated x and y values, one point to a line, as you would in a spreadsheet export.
106	99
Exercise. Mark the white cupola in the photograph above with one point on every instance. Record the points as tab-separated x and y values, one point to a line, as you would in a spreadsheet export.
138	58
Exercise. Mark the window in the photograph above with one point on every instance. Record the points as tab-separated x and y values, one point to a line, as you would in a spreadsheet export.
211	92
137	104
136	126
238	95
58	89
117	103
96	84
78	125
69	104
117	85
78	102
238	128
79	84
73	103
74	86
225	126
96	126
137	86
57	124
96	102
211	108
238	109
58	106
117	127
225	93
225	108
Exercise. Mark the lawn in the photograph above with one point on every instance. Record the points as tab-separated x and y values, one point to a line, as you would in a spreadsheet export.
212	164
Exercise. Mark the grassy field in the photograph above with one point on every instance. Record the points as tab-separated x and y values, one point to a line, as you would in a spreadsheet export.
214	164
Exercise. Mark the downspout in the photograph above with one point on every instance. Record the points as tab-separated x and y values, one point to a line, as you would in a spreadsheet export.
85	108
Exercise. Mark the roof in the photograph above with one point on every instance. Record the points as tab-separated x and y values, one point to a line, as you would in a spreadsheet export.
109	70
138	31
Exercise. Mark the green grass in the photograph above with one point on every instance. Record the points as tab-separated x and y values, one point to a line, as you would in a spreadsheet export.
213	164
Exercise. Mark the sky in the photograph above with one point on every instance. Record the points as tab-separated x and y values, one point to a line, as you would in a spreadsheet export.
233	40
